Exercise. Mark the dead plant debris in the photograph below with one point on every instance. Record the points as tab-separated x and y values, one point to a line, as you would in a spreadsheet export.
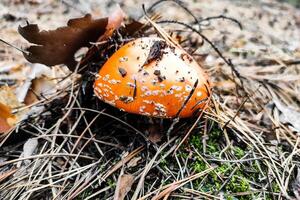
59	46
61	142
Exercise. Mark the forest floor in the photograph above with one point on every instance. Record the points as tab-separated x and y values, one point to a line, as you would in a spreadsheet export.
245	146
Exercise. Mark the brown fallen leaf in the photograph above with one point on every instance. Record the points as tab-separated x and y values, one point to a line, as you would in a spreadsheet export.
134	162
58	46
115	20
288	114
124	184
8	102
40	87
4	126
155	134
132	28
166	192
5	111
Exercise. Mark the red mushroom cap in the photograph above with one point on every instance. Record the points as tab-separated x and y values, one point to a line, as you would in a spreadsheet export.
149	77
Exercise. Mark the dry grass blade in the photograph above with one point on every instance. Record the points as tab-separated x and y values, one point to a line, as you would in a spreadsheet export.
194	125
6	174
173	186
245	145
123	161
109	172
148	167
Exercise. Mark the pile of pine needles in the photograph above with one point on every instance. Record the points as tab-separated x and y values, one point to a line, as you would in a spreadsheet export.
239	149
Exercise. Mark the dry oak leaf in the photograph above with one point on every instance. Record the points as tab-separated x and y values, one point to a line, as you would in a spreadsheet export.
9	101
4	126
58	46
114	22
5	113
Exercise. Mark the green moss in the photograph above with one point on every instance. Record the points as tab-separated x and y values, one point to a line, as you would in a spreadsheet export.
212	183
196	141
183	154
231	198
199	166
111	182
224	169
209	187
216	133
244	185
212	148
163	163
211	143
275	187
238	185
238	152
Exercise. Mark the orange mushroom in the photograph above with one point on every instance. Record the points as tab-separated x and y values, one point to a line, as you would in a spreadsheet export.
149	77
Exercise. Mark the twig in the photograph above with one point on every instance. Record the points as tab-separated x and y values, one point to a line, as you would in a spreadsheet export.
223	17
15	47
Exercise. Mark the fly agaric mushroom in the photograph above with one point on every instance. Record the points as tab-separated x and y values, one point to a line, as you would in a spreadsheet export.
149	77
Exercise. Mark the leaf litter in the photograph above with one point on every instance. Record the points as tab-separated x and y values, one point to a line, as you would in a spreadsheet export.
59	46
242	147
